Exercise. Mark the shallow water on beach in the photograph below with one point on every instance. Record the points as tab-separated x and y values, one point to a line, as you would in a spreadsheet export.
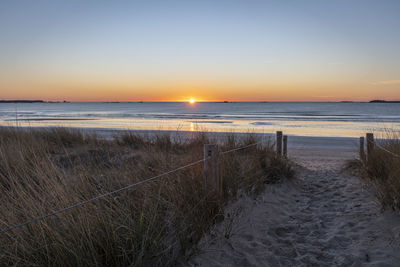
309	119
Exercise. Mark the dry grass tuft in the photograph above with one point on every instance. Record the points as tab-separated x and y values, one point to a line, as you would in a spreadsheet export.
152	224
383	170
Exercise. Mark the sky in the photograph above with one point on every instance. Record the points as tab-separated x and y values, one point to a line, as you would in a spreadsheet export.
286	50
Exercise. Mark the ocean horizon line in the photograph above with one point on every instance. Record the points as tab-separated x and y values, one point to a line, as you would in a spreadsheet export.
22	101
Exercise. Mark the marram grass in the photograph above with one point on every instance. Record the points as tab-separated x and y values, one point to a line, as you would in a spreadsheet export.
153	224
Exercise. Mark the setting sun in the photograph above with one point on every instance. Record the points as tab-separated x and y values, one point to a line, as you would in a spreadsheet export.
192	101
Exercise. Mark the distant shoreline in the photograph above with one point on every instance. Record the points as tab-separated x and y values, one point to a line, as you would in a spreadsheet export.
22	101
384	101
31	101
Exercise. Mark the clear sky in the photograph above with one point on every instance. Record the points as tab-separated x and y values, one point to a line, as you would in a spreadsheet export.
284	50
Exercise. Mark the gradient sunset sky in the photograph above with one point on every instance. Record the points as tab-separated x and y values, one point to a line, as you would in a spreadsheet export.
286	50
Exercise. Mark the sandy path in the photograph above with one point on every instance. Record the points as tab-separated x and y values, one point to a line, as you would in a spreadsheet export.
324	218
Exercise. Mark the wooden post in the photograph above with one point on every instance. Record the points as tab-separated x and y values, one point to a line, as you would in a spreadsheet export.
285	146
370	144
211	179
362	151
279	143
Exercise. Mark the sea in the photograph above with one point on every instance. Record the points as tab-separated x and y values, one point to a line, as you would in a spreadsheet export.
294	118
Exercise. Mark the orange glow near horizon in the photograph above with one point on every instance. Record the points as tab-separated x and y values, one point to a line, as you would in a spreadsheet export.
206	91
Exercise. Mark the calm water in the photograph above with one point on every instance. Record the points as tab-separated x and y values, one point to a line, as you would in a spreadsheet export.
312	119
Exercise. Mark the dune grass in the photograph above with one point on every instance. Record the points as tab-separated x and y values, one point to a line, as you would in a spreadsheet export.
153	224
383	170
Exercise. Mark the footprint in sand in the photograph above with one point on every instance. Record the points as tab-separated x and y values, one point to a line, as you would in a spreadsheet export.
324	218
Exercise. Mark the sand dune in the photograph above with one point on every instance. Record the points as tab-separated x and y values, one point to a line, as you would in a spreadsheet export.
324	218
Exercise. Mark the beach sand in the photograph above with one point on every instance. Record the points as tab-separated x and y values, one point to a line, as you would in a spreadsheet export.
325	217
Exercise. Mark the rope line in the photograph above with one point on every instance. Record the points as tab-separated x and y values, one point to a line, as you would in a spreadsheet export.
384	149
10	228
388	151
240	148
7	229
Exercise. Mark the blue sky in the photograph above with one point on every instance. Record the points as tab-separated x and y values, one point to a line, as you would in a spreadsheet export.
322	50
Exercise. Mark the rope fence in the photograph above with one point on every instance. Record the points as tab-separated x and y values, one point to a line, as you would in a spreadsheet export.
5	230
371	144
210	171
240	148
388	151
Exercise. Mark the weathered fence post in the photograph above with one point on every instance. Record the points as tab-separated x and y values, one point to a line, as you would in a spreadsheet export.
285	146
279	143
370	144
362	151
211	178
